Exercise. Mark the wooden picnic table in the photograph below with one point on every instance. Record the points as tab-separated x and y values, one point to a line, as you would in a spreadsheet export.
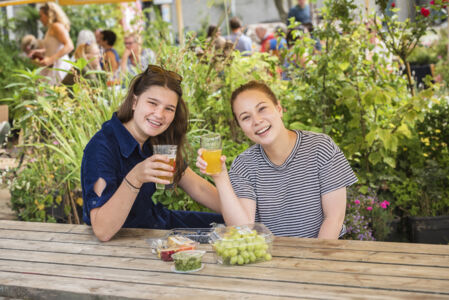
63	261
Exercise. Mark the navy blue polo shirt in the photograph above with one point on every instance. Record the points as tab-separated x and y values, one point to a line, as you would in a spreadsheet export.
111	154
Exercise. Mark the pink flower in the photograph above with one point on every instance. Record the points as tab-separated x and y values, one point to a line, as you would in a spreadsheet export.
357	202
369	208
425	12
393	5
55	143
432	2
383	205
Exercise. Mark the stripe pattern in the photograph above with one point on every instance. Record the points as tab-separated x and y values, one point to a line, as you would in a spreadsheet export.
289	196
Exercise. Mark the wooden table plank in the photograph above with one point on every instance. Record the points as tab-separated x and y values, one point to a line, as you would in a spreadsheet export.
367	256
199	285
37	286
261	271
279	263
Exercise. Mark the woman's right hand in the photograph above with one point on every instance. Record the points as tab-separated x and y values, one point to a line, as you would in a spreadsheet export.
202	164
150	170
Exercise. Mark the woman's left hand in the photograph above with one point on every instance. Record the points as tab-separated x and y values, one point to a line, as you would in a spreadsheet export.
46	61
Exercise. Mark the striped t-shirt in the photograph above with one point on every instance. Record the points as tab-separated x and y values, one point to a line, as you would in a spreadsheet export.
289	196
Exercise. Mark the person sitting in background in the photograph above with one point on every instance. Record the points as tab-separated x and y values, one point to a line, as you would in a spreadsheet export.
278	42
242	42
29	43
264	37
214	36
111	60
135	58
91	53
85	36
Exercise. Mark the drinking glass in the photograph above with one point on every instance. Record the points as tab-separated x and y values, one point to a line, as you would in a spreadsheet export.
170	152
211	144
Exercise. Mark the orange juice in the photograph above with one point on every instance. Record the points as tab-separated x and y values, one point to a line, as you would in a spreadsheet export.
172	163
212	157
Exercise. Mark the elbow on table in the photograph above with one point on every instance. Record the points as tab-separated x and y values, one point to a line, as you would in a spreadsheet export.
102	235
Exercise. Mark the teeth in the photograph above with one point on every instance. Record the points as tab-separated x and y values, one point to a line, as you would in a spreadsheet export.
155	123
263	130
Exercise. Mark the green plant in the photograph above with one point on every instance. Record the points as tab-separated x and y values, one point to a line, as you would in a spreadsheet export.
367	217
422	56
422	176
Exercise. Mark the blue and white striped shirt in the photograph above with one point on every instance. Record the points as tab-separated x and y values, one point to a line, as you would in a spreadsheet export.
289	196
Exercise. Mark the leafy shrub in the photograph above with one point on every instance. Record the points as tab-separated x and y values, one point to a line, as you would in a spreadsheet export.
367	217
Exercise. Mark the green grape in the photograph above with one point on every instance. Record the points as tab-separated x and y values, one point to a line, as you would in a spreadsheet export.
244	254
247	260
233	252
233	260
242	246
268	256
259	253
252	257
240	260
226	253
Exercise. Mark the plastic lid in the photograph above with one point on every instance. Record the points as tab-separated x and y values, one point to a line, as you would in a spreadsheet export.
188	254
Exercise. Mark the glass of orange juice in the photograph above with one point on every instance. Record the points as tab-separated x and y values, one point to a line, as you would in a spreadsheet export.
211	144
170	152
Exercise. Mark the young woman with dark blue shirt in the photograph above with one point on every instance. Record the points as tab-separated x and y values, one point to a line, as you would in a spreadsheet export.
119	169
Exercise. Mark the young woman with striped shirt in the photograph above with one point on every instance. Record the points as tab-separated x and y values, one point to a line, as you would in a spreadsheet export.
292	181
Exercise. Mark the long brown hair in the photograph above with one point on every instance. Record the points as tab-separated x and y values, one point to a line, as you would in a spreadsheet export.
175	134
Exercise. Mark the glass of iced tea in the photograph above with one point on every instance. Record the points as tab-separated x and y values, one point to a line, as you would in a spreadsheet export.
211	144
170	152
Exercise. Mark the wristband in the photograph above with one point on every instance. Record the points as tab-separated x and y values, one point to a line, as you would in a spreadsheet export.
133	188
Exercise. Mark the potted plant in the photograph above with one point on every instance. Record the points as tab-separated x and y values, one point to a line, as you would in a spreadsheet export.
420	188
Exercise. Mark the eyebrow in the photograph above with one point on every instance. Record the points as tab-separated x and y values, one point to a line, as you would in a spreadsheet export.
158	101
257	105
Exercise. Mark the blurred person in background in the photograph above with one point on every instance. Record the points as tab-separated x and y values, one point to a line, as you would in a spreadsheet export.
56	44
91	53
264	37
110	61
242	42
135	58
29	43
300	12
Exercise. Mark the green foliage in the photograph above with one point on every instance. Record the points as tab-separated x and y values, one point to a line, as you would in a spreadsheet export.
10	62
423	56
55	130
94	16
420	188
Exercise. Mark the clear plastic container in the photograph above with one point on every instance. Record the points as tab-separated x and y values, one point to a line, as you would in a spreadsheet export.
239	245
200	235
188	261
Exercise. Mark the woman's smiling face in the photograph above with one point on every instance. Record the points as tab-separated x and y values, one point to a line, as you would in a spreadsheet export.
154	111
258	116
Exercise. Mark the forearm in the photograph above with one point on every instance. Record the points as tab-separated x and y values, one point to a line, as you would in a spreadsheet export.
109	218
331	228
200	190
234	213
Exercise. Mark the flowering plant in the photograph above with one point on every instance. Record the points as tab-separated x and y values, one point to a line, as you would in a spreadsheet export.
367	217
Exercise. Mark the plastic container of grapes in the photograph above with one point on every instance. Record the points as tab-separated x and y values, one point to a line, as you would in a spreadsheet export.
240	245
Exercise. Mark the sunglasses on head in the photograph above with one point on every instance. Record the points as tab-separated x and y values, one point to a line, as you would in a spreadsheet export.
160	70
